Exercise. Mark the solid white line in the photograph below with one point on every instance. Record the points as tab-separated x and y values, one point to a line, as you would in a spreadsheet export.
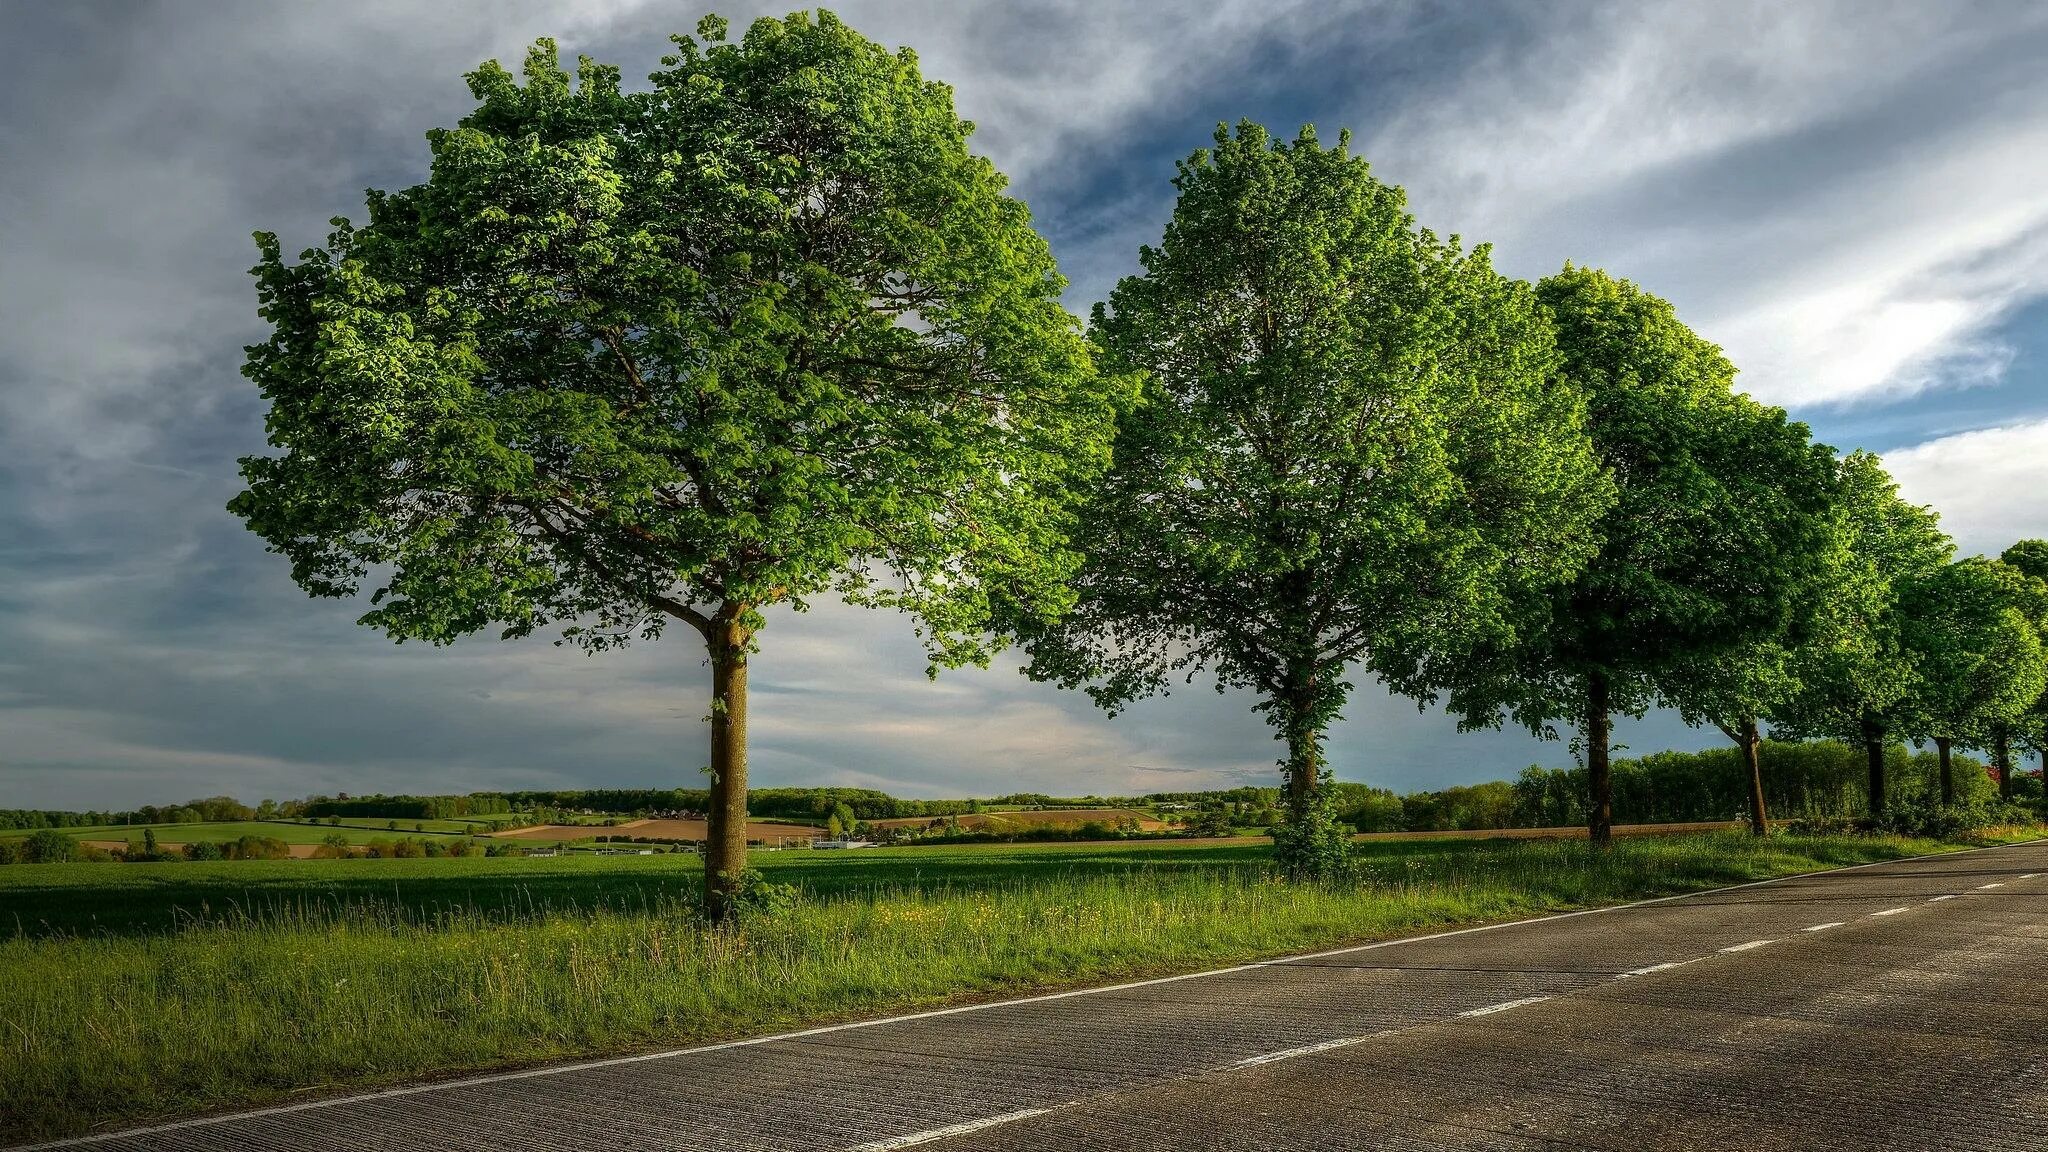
753	1041
1823	927
1745	947
1891	912
1999	884
1939	899
1306	1050
959	1129
1490	1009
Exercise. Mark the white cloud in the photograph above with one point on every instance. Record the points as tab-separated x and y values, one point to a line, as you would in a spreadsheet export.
1846	196
1990	486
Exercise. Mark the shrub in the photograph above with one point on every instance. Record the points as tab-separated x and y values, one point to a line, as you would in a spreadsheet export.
203	850
48	846
256	848
334	847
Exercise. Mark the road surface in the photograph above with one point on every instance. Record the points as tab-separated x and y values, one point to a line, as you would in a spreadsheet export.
1899	1006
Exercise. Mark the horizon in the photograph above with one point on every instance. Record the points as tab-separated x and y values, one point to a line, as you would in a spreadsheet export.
1849	198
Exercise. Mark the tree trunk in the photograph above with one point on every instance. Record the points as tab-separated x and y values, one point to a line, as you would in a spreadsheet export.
1752	766
1873	751
2001	754
1948	775
1599	778
1304	765
725	845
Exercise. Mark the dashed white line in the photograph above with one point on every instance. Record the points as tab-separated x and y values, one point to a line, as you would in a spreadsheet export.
2030	875
1994	884
1823	927
1490	1009
1939	899
1305	1050
959	1129
1668	964
1891	912
1745	947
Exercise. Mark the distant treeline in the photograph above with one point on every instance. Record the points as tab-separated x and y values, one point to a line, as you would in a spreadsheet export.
1818	780
1822	780
190	812
408	807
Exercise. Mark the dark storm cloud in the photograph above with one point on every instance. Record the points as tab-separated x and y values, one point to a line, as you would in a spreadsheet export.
1850	196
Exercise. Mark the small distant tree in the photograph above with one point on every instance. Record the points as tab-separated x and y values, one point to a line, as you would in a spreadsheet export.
1981	666
767	332
48	846
1348	451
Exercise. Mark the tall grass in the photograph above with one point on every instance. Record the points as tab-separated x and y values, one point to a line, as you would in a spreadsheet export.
237	1009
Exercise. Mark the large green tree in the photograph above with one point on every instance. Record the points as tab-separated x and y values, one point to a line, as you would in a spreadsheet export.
1856	680
1720	523
1980	664
1349	449
2031	557
1757	678
764	332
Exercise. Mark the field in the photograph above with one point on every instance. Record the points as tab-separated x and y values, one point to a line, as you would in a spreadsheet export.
1013	820
289	831
770	831
133	991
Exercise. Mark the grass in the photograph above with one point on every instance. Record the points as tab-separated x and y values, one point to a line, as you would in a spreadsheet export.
325	975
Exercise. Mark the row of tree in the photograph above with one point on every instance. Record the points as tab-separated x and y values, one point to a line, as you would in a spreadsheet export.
768	330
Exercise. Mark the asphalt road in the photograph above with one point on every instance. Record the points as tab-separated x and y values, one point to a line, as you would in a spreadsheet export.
1901	1006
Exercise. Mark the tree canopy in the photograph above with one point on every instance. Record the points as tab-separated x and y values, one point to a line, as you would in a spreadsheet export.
1980	664
1854	680
766	331
1718	530
2031	558
1349	449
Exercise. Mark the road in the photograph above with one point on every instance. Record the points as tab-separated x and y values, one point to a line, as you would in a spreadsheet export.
1899	1006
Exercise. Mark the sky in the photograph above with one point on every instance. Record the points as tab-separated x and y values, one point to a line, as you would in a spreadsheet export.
1852	198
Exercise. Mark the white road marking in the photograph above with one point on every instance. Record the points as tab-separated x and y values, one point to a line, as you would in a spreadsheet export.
2030	875
1891	912
1939	899
1668	964
1823	927
803	1033
1490	1009
959	1129
1305	1050
1998	884
1745	947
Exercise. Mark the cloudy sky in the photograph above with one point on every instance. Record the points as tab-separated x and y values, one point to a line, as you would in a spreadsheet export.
1851	197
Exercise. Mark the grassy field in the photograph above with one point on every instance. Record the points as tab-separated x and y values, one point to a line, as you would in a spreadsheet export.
135	991
289	831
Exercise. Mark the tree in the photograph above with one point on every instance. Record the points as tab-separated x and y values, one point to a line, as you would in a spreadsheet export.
765	332
1981	665
1719	516
1792	487
1855	681
1348	450
2031	558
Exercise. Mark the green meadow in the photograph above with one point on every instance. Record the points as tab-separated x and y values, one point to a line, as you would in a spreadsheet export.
137	991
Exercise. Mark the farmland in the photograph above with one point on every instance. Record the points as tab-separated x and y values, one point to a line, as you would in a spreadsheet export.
192	986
